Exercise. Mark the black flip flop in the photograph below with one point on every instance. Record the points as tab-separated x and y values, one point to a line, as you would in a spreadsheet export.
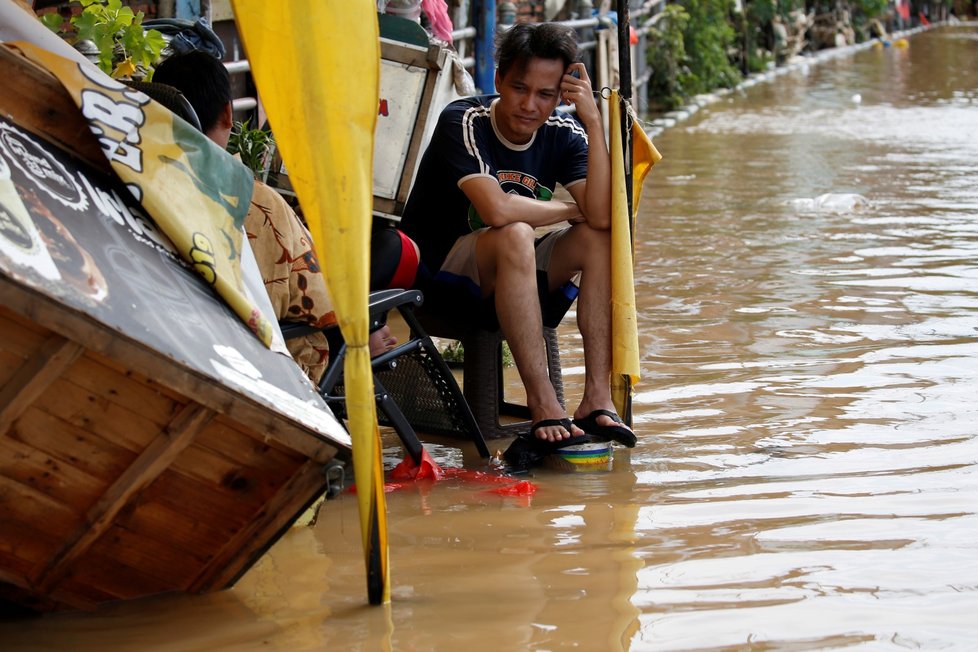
618	433
564	423
527	450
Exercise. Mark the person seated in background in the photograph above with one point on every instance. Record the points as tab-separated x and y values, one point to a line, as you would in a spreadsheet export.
282	244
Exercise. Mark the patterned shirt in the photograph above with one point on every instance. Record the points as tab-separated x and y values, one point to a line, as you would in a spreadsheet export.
293	278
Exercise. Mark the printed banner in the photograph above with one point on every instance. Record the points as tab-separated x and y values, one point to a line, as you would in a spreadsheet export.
197	193
74	234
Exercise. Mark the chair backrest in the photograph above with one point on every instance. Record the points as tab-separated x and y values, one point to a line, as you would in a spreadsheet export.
415	85
169	97
417	80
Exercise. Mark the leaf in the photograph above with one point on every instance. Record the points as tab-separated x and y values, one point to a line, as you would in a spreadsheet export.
125	69
86	24
154	43
53	21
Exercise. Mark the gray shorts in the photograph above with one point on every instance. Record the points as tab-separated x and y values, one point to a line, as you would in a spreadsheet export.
460	265
459	277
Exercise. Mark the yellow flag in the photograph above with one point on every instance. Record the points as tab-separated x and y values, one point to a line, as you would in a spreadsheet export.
644	156
317	68
625	365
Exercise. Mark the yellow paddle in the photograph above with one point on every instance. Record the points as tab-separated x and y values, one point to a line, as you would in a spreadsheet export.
317	68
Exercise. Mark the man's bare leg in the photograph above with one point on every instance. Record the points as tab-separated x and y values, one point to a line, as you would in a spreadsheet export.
507	268
589	251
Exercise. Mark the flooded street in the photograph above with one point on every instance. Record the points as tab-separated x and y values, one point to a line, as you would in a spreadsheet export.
806	476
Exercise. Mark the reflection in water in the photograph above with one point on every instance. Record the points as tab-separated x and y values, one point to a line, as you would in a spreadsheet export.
806	472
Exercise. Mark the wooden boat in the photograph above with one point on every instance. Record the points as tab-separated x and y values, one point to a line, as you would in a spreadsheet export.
149	442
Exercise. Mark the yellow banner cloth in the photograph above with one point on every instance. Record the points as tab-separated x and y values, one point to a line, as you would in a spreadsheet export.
317	68
625	365
196	192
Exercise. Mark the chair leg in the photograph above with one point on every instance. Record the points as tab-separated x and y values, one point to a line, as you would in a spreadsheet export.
462	406
553	363
405	432
483	382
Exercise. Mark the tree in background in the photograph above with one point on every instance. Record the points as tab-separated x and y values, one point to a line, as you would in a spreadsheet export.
689	52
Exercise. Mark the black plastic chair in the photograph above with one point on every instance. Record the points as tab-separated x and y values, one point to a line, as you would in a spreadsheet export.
415	389
482	375
169	97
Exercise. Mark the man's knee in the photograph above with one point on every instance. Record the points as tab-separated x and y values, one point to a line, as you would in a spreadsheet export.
582	246
518	233
596	238
513	242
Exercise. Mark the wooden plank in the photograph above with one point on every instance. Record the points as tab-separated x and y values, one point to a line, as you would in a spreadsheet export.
26	548
226	477
109	577
12	576
209	505
9	363
123	390
71	444
34	376
146	468
152	557
99	340
54	478
15	584
166	522
36	101
231	460
95	415
102	342
248	544
23	594
20	337
125	368
16	321
22	506
14	567
233	441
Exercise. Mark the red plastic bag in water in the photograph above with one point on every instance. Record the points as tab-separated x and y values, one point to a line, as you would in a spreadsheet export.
408	470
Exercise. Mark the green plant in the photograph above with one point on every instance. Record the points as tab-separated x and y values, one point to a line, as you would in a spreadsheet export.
254	146
708	37
689	49
863	12
667	59
454	354
124	46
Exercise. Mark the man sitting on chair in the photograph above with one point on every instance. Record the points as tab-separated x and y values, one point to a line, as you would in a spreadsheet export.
282	245
483	189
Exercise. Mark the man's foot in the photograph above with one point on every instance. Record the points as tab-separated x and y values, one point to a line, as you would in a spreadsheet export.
606	424
381	340
554	430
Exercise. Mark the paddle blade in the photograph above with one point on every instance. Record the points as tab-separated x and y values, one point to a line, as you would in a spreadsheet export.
317	68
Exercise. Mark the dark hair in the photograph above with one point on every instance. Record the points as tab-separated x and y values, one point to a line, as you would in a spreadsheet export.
523	41
202	79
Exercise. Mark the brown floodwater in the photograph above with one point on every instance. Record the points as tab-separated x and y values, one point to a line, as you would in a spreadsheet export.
807	470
